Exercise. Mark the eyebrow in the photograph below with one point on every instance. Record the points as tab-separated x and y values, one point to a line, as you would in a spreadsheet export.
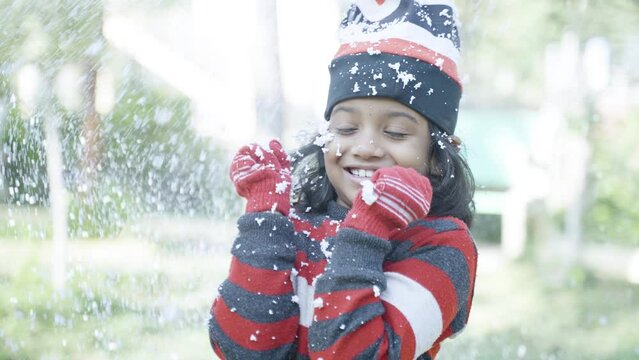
344	108
389	114
401	114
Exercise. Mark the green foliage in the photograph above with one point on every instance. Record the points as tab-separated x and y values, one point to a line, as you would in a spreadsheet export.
102	212
505	41
613	214
51	32
155	154
23	161
151	160
615	20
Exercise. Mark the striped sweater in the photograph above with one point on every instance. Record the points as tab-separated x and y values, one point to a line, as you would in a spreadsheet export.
300	287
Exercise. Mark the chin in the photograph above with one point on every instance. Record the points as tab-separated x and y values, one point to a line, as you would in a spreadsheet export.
346	201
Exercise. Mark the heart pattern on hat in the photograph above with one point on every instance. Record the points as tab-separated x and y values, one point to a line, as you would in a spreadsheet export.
378	9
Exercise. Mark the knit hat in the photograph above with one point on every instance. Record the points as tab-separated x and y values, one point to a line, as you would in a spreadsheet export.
406	50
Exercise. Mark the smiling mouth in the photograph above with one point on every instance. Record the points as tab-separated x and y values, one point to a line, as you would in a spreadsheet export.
361	173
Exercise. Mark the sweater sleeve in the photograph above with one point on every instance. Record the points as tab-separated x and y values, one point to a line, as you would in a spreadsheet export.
394	299
253	315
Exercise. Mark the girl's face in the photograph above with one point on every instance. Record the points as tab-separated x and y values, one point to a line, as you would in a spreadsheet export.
372	133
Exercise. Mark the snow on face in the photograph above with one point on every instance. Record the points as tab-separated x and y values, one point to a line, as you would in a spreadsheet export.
365	139
368	192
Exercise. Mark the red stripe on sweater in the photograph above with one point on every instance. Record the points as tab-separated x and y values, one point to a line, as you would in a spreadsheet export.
252	335
218	351
302	340
350	345
445	335
382	352
338	303
255	280
462	241
327	228
433	279
301	226
458	239
434	350
403	48
402	328
308	269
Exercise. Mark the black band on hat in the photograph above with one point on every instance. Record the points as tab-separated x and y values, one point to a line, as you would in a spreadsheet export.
417	84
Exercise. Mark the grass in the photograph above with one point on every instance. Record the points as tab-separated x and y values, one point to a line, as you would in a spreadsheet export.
153	311
519	314
24	223
146	296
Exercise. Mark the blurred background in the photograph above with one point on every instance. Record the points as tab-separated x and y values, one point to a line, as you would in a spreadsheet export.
118	119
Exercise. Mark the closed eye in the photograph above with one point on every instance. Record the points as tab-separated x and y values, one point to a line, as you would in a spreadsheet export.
345	130
396	135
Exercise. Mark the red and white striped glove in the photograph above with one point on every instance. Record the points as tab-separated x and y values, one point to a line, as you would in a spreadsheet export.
263	177
396	197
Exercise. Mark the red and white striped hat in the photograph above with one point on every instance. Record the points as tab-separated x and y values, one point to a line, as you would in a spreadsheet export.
407	50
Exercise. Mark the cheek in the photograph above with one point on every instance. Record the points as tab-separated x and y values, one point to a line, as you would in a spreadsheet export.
421	165
334	149
330	159
415	157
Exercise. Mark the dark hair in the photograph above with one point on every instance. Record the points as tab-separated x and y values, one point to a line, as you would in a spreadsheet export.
312	190
451	178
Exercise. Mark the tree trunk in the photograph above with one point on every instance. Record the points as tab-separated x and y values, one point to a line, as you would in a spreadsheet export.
92	140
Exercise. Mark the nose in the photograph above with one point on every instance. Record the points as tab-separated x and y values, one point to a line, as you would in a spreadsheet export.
367	148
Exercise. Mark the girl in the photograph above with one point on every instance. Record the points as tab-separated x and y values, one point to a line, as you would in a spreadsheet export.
372	258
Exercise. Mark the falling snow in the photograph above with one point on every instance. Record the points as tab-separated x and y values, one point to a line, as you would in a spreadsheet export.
159	188
324	135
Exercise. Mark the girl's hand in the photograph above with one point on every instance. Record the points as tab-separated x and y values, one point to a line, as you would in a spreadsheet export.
263	177
396	197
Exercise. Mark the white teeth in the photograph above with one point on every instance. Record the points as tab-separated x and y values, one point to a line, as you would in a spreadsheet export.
362	173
